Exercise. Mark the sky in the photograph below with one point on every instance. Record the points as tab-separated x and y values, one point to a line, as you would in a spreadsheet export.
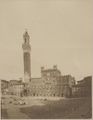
60	34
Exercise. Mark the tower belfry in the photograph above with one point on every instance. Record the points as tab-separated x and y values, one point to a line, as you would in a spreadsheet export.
26	57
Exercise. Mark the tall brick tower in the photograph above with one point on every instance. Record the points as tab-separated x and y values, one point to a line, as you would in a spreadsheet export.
26	57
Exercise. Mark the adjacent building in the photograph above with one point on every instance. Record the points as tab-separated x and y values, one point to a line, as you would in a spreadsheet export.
16	87
4	86
83	88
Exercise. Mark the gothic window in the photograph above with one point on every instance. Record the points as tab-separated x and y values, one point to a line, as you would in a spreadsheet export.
53	94
48	74
33	94
25	40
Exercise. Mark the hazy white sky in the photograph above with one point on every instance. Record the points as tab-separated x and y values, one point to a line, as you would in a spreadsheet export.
60	30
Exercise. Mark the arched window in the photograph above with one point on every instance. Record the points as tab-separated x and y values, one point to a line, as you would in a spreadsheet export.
33	94
62	95
53	94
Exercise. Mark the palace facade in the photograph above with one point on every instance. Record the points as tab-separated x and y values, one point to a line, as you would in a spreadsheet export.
51	83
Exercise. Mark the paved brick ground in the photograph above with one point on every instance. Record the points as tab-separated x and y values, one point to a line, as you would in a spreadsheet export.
50	109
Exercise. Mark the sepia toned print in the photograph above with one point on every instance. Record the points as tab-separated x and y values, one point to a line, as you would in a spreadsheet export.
35	36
